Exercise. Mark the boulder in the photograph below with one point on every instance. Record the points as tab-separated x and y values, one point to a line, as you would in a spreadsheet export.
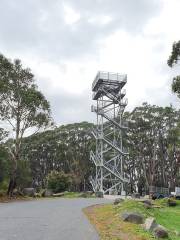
146	196
99	194
47	193
150	224
38	195
147	206
135	195
132	217
160	232
17	193
118	200
30	192
148	202
90	192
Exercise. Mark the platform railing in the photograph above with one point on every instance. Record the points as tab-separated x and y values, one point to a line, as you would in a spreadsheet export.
109	76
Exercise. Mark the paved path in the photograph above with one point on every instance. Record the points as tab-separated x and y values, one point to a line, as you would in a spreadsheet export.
52	219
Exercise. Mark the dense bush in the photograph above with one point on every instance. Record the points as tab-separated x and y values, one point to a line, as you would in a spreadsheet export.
58	181
24	178
4	165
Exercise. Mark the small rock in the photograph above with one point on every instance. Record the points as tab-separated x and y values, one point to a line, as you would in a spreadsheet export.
38	195
135	195
90	192
118	200
146	201
146	196
160	232
47	193
30	192
150	224
99	194
147	206
132	217
17	192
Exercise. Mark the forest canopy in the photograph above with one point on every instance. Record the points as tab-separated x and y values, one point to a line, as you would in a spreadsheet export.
152	139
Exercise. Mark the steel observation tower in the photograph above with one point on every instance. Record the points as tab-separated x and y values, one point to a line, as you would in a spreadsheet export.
110	158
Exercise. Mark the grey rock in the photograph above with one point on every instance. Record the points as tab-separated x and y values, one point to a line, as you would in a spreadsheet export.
150	224
132	217
160	232
148	202
135	195
47	193
17	192
99	194
118	200
30	192
147	206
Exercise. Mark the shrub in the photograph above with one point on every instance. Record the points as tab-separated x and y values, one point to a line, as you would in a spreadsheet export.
58	181
2	193
24	178
4	185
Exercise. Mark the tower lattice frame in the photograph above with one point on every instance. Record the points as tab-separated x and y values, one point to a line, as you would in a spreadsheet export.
110	156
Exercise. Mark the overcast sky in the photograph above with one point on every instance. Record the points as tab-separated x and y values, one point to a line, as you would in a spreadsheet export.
66	42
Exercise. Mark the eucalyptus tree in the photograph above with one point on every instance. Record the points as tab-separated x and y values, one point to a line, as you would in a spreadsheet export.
173	60
3	155
153	140
63	149
23	107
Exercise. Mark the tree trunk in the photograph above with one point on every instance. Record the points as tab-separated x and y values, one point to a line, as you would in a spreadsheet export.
13	178
15	158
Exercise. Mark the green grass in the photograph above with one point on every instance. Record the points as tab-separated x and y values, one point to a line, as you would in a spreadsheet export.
168	217
71	195
107	220
77	195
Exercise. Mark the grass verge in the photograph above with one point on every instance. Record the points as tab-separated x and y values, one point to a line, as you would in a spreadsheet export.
108	223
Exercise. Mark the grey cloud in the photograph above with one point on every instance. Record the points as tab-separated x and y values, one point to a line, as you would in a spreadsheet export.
161	96
38	26
70	108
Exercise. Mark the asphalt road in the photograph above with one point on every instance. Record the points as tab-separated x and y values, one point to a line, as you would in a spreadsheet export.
52	219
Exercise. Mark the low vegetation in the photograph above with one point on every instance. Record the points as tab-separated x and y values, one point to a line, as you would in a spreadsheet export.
109	224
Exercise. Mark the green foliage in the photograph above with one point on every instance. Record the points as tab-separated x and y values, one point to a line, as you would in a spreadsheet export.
58	181
2	193
4	185
24	177
66	149
4	164
173	60
23	107
78	195
153	142
175	54
176	85
20	99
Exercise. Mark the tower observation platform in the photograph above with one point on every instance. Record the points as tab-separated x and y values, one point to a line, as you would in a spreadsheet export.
109	157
